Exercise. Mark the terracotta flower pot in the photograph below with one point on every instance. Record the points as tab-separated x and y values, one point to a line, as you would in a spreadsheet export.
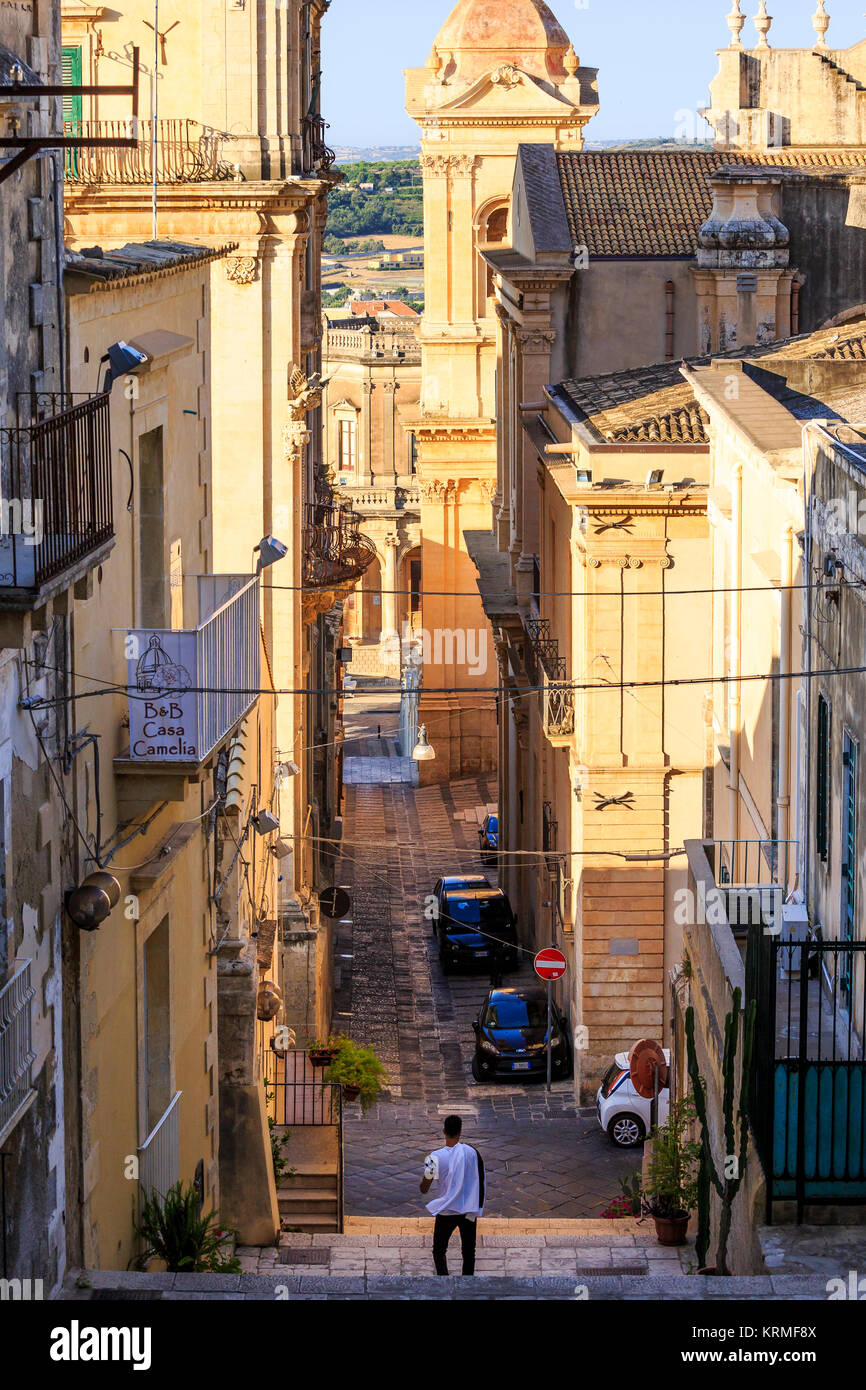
672	1230
321	1057
351	1092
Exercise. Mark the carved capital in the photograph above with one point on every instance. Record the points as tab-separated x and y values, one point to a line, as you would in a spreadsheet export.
439	166
435	490
535	340
295	439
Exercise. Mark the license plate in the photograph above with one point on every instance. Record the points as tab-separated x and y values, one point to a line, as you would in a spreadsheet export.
481	955
520	1066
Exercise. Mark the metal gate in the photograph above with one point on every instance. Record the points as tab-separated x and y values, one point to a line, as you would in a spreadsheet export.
808	1097
297	1097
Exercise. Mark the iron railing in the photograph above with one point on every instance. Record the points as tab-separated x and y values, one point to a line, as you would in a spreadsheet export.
318	155
159	1155
808	1084
753	875
185	151
547	666
55	480
335	552
189	688
16	1046
297	1096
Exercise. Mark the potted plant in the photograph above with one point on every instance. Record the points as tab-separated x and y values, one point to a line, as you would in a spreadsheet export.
322	1051
629	1201
670	1193
359	1072
173	1230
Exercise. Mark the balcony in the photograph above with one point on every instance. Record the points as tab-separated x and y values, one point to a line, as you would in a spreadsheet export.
16	1050
57	519
188	691
752	876
318	156
336	555
186	152
547	667
380	501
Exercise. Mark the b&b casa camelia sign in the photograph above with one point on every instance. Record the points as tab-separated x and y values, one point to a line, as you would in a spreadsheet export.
163	704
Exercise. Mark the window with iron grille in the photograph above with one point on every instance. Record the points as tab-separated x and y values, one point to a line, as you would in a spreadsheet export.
822	796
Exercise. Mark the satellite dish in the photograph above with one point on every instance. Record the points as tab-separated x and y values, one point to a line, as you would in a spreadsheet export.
644	1057
335	902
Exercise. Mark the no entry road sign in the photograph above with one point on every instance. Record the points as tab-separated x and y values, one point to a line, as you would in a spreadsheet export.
550	964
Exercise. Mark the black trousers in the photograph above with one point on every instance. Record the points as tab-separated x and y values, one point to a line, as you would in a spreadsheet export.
443	1229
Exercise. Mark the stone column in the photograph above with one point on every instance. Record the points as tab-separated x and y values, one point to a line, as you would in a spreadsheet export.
389	586
365	443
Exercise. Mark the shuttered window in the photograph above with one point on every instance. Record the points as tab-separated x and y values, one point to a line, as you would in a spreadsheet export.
72	105
822	789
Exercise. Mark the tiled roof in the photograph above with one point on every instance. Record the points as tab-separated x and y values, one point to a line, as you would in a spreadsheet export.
655	405
652	203
138	258
363	307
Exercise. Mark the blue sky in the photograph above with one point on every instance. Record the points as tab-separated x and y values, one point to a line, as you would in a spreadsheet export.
655	57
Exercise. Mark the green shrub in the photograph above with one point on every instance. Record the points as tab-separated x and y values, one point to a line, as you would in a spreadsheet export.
173	1230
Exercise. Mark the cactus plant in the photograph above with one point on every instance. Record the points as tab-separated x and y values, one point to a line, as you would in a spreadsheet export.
728	1184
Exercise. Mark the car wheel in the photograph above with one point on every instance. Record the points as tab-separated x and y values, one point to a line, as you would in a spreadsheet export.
476	1070
626	1131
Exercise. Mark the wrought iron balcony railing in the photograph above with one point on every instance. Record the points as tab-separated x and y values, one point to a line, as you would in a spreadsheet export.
318	155
547	666
16	1048
336	554
185	152
55	481
189	688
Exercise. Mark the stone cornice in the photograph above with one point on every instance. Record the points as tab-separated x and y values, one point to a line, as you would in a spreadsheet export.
268	197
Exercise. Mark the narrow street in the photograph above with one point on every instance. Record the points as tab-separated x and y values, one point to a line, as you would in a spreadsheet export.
544	1156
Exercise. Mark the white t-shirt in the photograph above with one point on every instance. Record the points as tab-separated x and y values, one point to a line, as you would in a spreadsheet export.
457	1177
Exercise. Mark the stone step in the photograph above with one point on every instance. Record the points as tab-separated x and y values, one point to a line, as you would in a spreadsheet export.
310	1177
307	1199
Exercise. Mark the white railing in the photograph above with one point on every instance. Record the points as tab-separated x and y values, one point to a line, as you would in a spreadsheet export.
159	1155
387	498
189	688
16	1050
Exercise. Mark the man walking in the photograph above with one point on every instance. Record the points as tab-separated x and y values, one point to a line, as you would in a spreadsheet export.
458	1171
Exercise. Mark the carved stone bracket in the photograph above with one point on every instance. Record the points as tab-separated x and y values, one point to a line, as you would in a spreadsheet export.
242	270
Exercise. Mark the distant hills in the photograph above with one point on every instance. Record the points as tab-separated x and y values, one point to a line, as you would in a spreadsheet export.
381	154
375	154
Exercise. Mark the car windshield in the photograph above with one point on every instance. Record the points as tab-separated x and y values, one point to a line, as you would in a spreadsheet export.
475	912
514	1012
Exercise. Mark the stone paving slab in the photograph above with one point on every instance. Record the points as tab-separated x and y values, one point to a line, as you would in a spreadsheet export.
381	1287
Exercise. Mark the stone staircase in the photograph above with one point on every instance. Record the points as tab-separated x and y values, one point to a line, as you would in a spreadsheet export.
308	1199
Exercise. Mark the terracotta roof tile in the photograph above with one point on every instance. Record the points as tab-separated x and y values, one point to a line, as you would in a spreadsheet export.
655	404
652	202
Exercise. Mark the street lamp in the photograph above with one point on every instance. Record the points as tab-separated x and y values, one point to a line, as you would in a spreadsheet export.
270	550
422	752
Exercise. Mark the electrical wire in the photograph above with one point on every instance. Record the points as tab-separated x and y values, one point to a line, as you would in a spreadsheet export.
670	682
578	593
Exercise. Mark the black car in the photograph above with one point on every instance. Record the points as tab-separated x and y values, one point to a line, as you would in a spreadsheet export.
511	1036
476	926
448	885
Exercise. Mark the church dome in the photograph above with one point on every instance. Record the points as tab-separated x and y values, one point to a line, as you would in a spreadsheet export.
525	32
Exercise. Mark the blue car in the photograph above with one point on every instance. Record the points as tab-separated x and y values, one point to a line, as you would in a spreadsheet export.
488	836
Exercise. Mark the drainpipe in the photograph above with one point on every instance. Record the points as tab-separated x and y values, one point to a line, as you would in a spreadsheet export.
670	291
734	693
786	693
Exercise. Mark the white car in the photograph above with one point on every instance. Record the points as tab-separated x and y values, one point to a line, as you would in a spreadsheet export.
622	1113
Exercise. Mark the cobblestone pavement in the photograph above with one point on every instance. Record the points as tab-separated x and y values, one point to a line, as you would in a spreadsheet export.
543	1156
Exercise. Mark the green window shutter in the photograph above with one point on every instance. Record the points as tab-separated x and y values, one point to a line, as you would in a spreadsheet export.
822	780
72	69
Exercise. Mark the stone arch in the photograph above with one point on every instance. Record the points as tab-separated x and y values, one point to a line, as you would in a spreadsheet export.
490	229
